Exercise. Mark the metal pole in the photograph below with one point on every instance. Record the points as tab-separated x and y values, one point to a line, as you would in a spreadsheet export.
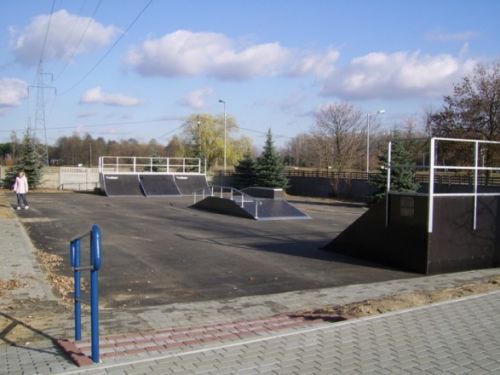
75	251
388	187
95	240
432	160
476	166
367	144
225	134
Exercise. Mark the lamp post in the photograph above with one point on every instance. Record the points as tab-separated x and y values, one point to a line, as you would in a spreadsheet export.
379	112
225	134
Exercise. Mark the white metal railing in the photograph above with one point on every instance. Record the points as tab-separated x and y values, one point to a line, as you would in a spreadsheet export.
235	195
433	167
153	165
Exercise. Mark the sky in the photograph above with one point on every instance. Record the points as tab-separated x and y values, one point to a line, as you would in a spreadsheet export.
136	69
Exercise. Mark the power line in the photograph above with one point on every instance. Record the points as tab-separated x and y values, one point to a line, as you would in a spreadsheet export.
110	49
40	97
102	124
91	18
44	44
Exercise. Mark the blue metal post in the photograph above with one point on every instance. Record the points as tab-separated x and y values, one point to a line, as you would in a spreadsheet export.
95	256
75	262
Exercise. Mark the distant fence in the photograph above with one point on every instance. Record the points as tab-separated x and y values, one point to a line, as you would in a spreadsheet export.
78	178
449	178
359	185
65	178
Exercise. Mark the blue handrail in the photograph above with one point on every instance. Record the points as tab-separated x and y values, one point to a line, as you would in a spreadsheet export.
94	267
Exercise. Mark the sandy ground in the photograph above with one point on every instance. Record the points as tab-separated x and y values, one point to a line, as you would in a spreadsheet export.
400	301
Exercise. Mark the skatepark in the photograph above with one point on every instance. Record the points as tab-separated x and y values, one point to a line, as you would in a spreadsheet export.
159	250
185	266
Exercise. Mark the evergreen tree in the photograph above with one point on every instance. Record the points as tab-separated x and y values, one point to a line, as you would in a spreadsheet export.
270	170
402	170
246	170
155	161
29	162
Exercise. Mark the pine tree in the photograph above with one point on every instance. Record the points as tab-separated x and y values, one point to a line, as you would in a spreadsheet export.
270	171
29	162
402	170
246	170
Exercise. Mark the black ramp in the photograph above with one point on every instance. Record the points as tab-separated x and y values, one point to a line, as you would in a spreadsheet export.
267	209
122	185
222	206
274	209
159	185
191	184
454	245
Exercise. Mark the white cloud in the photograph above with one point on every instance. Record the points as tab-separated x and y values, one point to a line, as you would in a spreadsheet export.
320	65
97	95
12	92
396	75
196	99
64	40
187	53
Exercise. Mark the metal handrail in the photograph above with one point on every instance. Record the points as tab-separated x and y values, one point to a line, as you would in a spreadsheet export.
143	164
220	191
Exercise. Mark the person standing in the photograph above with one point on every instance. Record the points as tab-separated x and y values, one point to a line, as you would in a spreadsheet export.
21	188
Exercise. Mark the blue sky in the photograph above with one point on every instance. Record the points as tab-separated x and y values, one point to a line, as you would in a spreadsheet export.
275	63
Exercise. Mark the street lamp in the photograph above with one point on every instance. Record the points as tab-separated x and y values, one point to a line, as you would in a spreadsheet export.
379	112
225	133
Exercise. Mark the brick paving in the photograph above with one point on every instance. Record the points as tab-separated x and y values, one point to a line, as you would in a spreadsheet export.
167	339
455	337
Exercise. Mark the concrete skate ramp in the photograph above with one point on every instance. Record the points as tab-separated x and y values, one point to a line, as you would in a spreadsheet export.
267	209
122	185
191	184
159	185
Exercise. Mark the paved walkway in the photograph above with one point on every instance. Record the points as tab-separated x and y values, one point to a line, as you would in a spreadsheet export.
461	336
454	337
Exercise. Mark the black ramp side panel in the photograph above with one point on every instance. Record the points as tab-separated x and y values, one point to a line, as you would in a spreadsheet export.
191	184
268	210
122	185
275	209
159	185
222	206
403	244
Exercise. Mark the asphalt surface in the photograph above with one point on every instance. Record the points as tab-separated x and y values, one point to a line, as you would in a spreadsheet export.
158	250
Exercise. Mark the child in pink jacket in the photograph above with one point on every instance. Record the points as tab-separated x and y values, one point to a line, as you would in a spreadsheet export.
21	189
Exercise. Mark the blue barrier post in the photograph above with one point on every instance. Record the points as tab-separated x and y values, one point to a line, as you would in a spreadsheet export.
95	257
75	263
95	266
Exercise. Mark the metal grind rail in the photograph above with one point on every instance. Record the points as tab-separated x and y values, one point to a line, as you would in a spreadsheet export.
232	194
235	195
93	267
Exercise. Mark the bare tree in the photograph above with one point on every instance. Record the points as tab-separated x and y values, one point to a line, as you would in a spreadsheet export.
473	110
341	125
